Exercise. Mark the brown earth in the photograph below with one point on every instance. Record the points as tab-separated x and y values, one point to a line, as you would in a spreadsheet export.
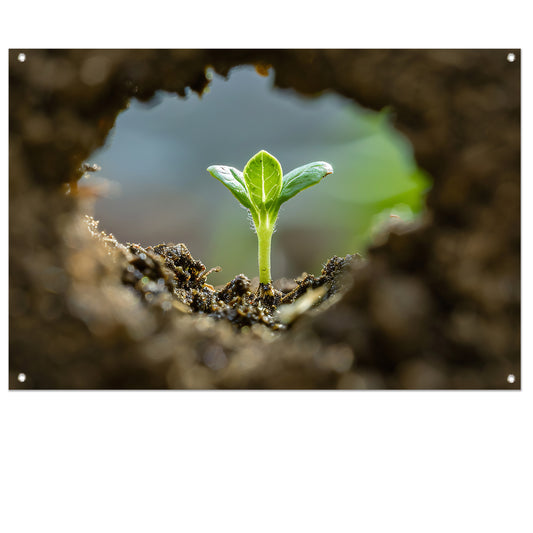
435	306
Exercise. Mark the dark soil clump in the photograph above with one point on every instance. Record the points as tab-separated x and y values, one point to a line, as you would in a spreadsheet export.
329	277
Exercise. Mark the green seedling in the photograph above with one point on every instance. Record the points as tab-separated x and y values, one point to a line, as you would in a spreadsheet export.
262	188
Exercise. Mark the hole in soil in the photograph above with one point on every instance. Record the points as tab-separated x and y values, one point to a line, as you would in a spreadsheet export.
157	154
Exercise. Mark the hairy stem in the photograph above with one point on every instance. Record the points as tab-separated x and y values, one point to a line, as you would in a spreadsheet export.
264	238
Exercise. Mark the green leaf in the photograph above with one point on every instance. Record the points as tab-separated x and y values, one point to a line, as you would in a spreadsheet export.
233	180
302	177
263	179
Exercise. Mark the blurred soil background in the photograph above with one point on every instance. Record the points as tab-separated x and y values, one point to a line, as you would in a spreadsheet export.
435	305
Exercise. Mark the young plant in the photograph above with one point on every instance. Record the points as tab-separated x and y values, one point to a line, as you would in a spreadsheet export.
262	188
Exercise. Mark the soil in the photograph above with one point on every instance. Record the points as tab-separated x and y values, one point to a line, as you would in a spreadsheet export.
434	306
156	272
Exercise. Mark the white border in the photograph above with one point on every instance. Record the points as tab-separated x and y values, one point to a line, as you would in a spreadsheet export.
269	461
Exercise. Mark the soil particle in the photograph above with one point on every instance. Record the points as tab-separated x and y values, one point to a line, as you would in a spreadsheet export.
331	276
237	287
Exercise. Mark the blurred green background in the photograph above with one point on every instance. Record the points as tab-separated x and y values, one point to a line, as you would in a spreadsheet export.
155	160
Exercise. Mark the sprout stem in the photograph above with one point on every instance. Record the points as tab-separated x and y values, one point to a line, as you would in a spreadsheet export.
264	238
